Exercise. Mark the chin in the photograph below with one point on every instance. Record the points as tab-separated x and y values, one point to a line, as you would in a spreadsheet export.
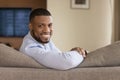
45	42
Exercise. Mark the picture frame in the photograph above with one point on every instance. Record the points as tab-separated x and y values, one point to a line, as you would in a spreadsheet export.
83	4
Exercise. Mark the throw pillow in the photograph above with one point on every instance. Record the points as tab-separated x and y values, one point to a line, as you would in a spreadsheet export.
103	57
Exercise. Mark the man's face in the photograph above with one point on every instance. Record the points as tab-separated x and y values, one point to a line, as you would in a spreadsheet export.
41	28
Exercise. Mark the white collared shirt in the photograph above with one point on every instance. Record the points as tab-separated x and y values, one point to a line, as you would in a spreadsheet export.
50	56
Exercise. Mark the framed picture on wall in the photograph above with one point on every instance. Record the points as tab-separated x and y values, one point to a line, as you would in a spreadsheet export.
84	4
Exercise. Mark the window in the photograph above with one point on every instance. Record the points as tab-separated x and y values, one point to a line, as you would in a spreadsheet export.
14	22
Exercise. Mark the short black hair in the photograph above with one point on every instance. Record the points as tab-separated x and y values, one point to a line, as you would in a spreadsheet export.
39	12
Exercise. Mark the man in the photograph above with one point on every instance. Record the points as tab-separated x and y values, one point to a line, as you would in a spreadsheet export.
37	44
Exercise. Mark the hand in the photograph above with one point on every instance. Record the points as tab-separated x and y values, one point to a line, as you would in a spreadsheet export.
80	51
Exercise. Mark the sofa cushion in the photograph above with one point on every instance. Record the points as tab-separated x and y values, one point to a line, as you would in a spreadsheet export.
105	56
103	73
10	57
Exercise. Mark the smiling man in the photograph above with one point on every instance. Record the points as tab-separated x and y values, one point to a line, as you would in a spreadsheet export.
37	44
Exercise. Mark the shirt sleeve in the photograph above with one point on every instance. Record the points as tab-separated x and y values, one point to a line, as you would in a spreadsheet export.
54	59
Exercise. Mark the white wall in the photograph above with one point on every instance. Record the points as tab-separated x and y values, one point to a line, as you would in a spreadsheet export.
89	29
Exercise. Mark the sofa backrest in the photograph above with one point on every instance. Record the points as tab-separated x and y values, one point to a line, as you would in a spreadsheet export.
9	57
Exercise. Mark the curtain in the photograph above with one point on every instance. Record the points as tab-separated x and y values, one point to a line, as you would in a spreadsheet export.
116	20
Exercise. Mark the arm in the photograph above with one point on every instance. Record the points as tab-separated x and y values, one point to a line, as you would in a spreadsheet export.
54	59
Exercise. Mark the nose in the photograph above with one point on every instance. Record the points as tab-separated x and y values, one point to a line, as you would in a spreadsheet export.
46	29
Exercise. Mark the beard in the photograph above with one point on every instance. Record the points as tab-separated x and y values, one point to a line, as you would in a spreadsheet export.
39	39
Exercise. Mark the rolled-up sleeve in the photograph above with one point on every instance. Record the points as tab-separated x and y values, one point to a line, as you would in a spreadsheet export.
54	59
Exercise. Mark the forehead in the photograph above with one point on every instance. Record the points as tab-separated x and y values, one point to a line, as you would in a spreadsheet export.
42	19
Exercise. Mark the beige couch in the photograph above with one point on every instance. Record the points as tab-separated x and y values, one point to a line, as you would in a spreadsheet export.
101	64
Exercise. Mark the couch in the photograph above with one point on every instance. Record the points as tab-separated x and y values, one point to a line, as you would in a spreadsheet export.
100	64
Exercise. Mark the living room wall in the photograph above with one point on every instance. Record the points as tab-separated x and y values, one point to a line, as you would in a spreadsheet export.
87	28
16	41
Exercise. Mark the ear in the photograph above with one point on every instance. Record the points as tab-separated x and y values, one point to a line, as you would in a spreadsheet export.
30	27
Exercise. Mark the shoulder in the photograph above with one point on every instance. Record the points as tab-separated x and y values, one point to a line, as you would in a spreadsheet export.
29	39
27	42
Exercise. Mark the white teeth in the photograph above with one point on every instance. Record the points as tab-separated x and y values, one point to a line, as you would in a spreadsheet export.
46	35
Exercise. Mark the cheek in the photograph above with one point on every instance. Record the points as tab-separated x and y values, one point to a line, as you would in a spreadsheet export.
37	33
51	31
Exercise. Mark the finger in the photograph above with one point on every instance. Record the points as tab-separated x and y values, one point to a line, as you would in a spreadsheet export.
83	52
79	50
86	52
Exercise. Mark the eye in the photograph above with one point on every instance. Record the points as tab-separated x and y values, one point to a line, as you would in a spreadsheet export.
40	25
50	25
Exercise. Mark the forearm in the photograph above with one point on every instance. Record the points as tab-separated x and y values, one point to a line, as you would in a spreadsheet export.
56	60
